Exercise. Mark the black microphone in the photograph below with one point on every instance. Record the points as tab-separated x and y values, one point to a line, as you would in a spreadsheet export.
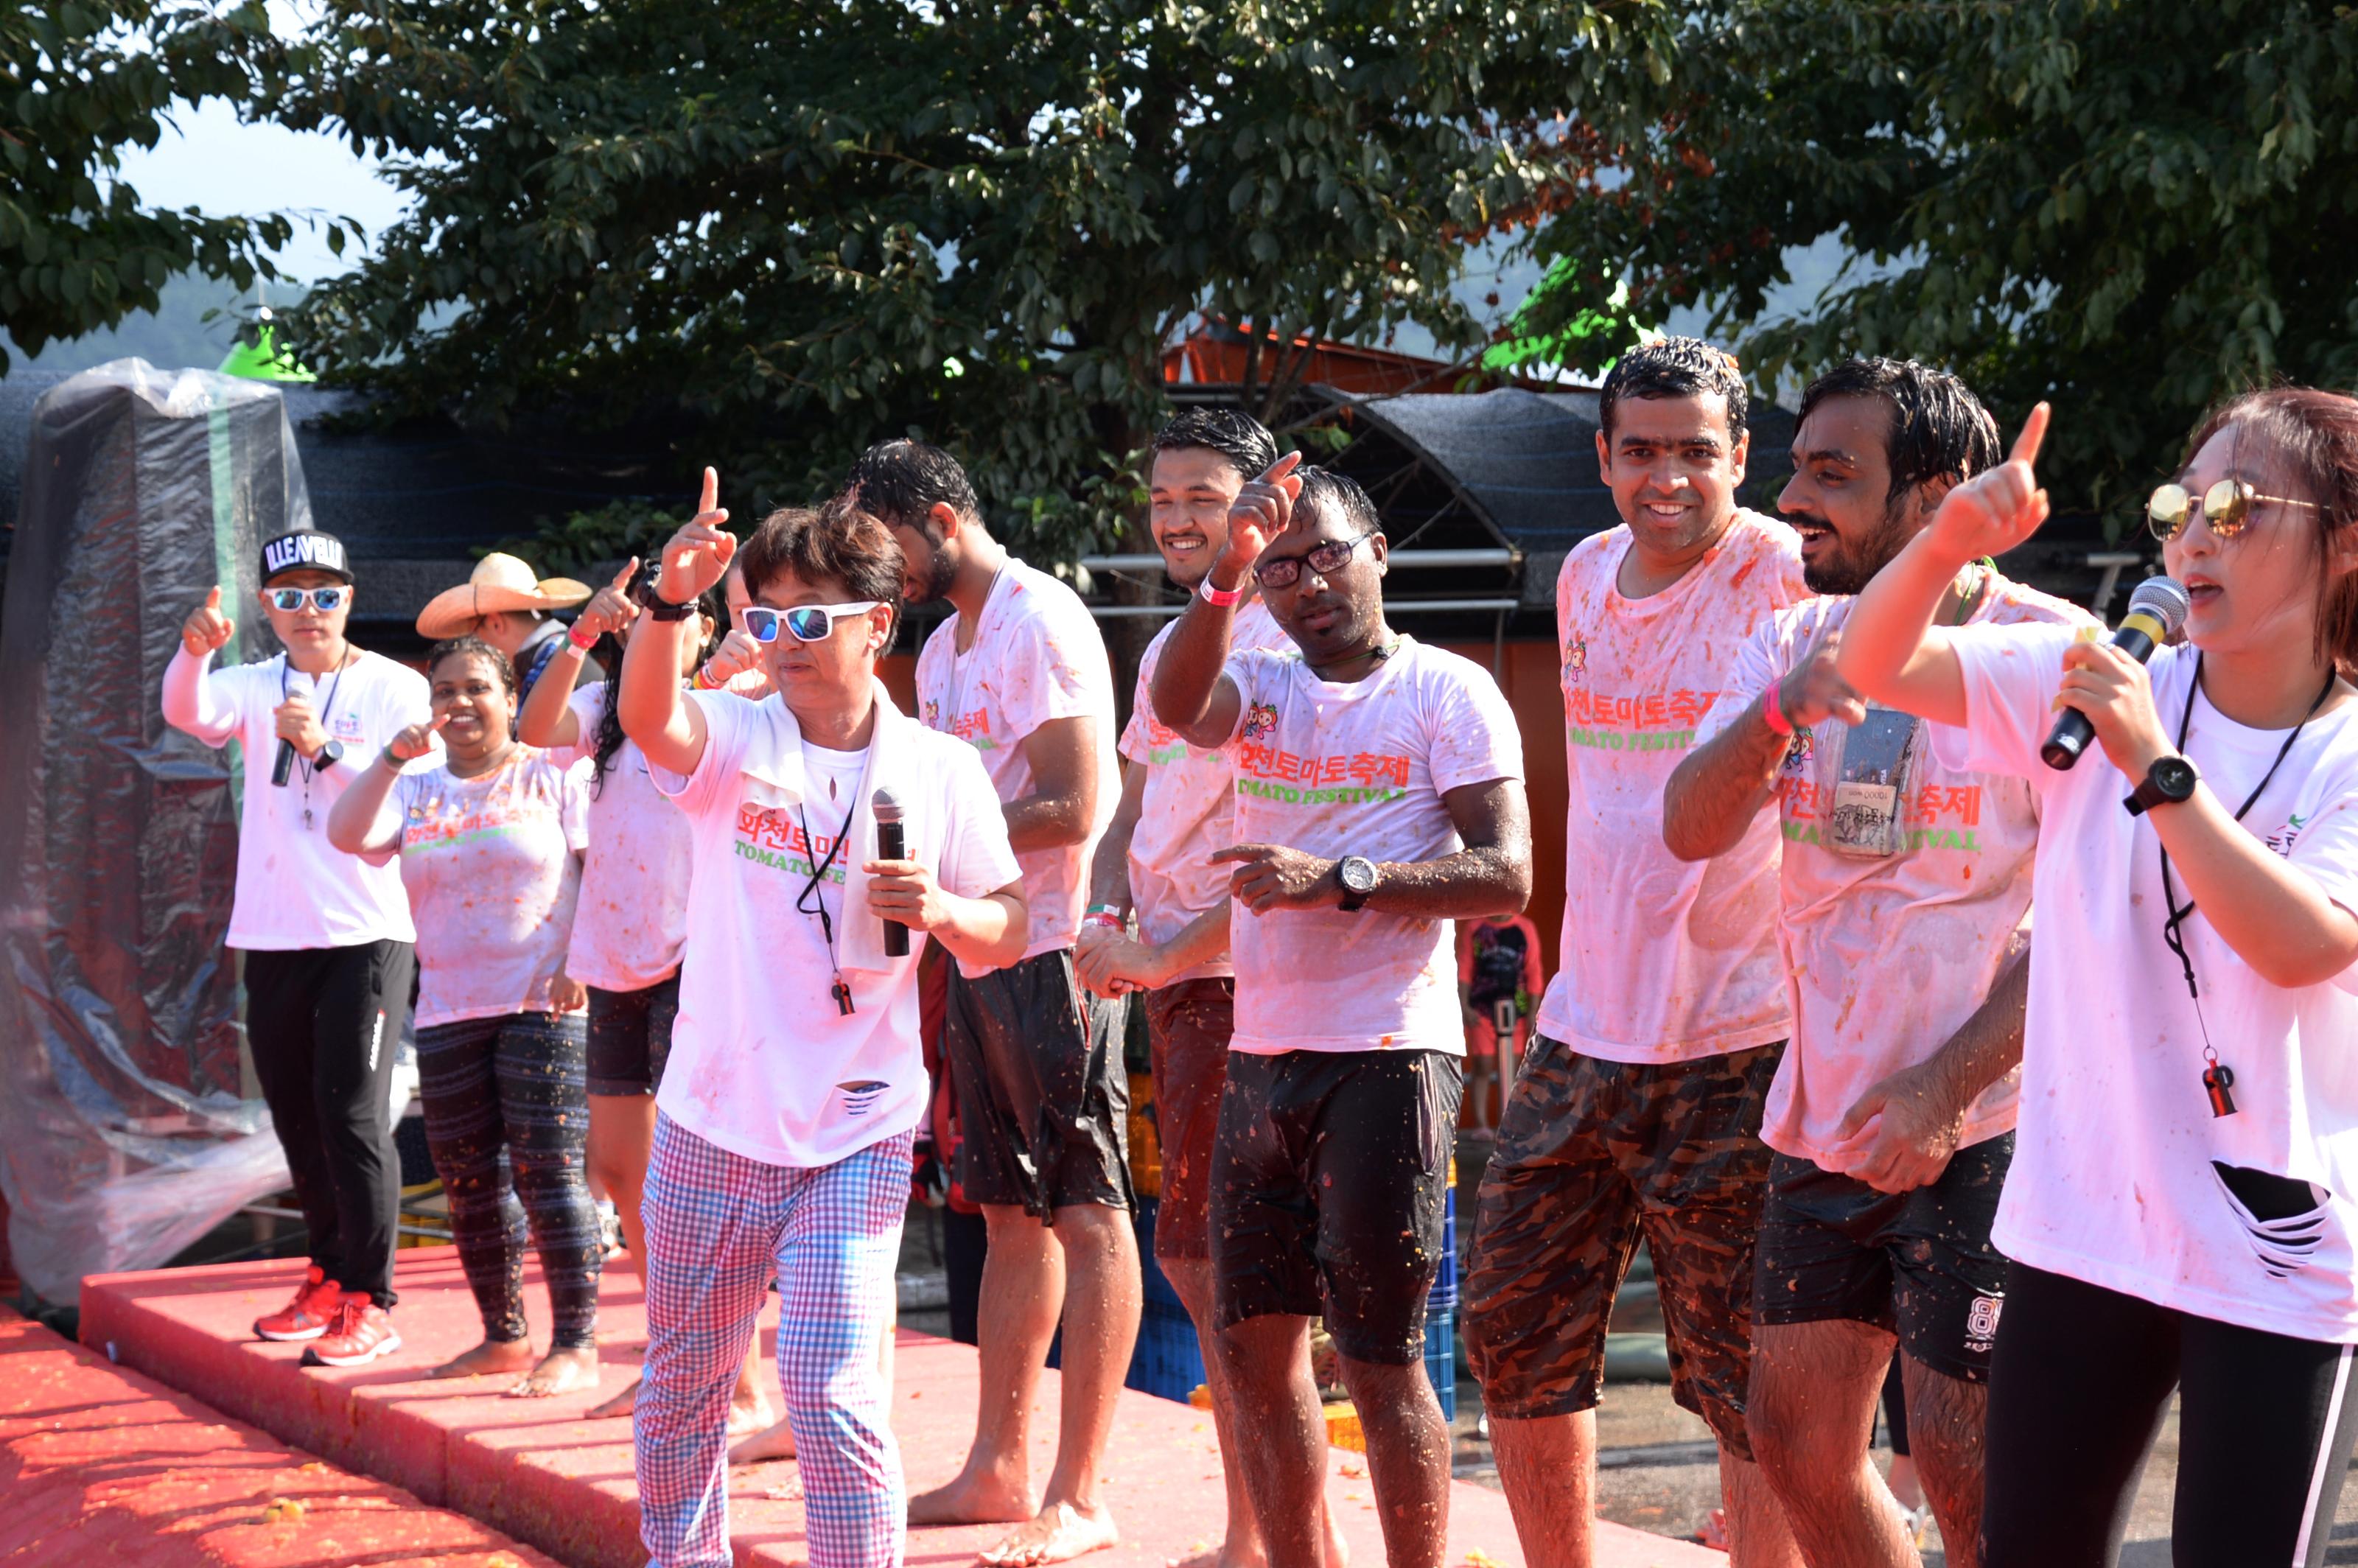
890	845
2156	610
285	763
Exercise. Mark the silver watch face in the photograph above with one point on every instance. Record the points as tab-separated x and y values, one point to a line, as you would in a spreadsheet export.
1355	873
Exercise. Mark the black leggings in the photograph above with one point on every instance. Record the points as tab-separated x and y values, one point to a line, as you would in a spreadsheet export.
507	1095
323	1023
2078	1384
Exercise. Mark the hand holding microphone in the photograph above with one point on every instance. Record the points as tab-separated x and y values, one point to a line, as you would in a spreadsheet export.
2105	695
892	847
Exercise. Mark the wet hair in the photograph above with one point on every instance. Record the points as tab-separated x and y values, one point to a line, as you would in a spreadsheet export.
1675	367
1238	436
839	543
472	648
606	739
2314	435
900	483
1939	429
1328	494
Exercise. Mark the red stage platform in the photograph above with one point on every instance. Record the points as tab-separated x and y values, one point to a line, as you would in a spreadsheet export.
538	1471
100	1465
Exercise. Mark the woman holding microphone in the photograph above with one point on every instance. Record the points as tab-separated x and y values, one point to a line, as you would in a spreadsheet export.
490	843
2184	1198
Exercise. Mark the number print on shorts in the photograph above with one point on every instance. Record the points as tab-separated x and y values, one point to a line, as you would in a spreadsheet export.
1981	1324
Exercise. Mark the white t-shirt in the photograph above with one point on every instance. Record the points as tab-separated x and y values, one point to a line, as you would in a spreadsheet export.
1188	809
1036	657
1664	960
2112	1181
632	918
493	867
762	1062
1358	769
1889	955
295	890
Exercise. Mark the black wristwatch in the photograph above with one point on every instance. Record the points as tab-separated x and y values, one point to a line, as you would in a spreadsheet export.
1358	875
2170	781
330	753
662	609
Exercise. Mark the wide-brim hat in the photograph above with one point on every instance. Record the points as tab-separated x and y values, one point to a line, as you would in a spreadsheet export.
498	582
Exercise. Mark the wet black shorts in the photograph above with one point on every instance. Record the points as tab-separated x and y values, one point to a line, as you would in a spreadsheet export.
629	1037
1043	1096
1919	1264
1329	1170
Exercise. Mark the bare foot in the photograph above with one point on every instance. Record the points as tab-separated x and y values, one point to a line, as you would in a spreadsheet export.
1057	1534
559	1372
985	1498
749	1413
621	1404
776	1442
490	1356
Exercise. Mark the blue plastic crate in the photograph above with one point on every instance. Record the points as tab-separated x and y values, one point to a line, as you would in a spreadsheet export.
1441	1355
1168	1362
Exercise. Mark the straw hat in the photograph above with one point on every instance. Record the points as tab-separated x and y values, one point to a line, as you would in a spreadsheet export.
498	582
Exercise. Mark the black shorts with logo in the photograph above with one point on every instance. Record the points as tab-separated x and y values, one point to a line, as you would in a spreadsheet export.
1917	1264
1329	1172
1043	1096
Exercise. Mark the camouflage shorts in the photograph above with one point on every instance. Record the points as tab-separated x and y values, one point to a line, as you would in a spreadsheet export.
1591	1155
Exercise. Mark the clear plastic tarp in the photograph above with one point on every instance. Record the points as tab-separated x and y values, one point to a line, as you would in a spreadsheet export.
125	1132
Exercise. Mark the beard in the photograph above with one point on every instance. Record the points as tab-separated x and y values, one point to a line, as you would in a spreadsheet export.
1850	569
934	575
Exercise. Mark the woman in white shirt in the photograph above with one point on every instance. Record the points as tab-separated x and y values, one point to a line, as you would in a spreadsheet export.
489	842
2184	1198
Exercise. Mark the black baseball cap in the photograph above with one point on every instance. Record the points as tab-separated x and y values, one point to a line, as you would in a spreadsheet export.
306	550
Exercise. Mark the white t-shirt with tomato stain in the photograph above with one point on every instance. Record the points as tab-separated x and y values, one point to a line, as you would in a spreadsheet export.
1889	955
1188	810
1335	769
632	922
1037	657
493	868
1664	960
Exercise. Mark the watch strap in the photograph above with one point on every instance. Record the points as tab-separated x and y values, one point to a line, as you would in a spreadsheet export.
663	609
2149	793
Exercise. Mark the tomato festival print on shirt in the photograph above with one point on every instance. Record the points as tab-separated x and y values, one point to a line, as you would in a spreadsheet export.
1425	723
1889	955
1188	808
1662	960
1036	657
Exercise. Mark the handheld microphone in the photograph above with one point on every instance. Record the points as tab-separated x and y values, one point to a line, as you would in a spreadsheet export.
891	845
285	764
2156	610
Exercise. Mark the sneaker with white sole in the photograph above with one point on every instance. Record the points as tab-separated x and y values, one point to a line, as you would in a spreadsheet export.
307	1315
362	1331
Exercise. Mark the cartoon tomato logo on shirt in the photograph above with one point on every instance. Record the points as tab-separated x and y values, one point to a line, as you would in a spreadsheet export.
1260	722
1576	659
933	715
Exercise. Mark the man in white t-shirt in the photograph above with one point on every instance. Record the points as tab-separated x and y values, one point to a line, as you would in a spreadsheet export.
1637	1110
1178	806
796	1079
1905	887
329	944
1019	672
1379	797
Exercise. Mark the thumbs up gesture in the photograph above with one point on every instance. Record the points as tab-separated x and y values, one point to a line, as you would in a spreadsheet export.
206	629
695	557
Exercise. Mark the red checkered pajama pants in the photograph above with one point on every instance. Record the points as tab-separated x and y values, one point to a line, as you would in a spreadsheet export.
716	1225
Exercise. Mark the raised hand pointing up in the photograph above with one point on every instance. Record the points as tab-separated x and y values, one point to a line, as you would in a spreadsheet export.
207	629
695	557
1260	513
1998	508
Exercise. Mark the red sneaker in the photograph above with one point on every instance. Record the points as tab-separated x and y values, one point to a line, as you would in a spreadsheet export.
307	1316
362	1333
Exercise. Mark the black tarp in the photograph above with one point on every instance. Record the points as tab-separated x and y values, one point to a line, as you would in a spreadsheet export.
124	1133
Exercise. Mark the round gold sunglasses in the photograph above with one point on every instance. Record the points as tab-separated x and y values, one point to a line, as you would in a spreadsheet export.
2226	506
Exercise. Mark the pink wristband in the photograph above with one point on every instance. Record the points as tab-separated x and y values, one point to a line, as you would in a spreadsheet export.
1223	596
573	635
1772	712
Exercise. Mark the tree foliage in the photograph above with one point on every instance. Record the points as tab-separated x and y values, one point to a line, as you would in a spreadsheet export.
2128	207
795	226
80	81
